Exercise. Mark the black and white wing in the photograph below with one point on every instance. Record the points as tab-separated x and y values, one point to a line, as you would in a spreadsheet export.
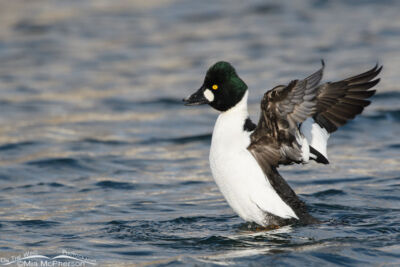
276	140
283	108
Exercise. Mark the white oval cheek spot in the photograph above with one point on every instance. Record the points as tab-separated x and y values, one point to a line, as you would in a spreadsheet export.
209	95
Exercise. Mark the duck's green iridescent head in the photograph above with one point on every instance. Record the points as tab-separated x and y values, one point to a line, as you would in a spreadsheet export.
222	88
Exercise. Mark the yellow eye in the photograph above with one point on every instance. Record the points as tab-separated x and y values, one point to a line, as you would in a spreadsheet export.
215	87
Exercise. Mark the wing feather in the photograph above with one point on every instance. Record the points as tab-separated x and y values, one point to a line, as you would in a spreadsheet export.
275	140
341	101
283	109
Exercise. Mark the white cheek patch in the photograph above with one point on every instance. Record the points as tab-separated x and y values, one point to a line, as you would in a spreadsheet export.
208	95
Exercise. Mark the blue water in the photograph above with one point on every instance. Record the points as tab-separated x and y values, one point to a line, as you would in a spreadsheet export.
99	156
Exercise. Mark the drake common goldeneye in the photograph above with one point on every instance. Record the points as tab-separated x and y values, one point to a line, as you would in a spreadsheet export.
295	123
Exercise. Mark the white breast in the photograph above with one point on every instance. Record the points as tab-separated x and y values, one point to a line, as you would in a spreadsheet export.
236	172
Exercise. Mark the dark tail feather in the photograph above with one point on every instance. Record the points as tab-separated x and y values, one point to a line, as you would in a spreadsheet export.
318	156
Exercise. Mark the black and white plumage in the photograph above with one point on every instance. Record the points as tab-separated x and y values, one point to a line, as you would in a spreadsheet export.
295	123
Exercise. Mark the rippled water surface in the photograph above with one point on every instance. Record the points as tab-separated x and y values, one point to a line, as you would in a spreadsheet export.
99	156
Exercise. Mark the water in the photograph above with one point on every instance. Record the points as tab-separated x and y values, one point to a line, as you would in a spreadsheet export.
100	158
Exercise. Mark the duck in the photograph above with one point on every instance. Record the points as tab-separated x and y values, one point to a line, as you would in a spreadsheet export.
295	123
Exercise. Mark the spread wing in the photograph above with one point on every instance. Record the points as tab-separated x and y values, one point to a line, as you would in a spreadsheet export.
283	108
276	139
341	101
